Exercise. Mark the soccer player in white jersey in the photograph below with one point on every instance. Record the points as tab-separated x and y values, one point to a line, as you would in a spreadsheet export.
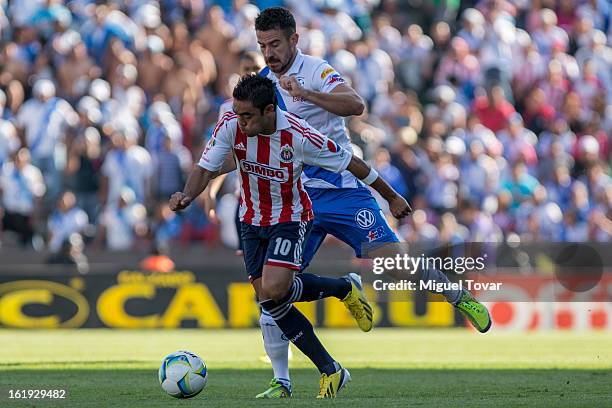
311	89
270	147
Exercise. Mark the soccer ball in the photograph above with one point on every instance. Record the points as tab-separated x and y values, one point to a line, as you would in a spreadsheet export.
183	374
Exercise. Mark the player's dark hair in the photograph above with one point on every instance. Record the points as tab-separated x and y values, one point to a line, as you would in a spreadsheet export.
257	89
274	18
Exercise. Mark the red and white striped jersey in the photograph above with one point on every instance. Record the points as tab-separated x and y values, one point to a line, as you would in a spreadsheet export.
270	166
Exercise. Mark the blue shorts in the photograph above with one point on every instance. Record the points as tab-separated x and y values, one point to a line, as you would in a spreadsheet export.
277	245
350	214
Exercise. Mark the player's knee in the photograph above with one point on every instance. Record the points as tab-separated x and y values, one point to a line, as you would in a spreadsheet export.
276	282
276	291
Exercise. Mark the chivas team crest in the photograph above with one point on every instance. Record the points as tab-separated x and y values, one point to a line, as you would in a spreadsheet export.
286	154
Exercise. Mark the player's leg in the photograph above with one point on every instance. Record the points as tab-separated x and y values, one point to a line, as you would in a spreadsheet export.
280	289
361	222
254	252
314	287
355	299
277	350
476	313
276	343
279	296
285	249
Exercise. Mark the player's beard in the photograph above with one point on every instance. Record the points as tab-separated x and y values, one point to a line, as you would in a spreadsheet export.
285	67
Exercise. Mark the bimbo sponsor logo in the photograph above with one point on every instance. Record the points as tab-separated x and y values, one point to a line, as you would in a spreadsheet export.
263	171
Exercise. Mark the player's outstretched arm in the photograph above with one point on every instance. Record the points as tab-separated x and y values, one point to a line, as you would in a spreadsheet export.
397	204
196	183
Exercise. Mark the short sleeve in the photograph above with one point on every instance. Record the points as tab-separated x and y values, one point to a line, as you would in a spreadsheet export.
326	78
321	151
218	147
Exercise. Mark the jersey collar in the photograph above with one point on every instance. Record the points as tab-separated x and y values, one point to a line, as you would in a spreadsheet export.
281	120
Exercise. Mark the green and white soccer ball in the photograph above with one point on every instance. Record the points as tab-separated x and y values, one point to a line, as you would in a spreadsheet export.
183	374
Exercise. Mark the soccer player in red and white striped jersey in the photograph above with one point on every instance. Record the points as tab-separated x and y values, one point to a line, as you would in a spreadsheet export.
270	148
271	165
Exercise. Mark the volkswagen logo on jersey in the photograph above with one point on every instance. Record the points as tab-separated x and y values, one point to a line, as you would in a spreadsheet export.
365	218
263	171
286	154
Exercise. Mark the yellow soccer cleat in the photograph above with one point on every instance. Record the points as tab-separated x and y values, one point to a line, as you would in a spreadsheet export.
276	390
357	303
474	311
329	385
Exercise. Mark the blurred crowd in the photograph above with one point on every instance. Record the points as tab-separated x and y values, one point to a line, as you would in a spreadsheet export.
492	117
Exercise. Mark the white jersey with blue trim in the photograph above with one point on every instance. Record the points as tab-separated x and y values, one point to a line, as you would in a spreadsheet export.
317	75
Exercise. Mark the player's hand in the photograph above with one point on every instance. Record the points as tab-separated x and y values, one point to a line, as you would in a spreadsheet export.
179	201
291	85
399	207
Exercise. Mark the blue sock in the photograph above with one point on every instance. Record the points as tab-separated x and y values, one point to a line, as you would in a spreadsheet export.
314	287
299	331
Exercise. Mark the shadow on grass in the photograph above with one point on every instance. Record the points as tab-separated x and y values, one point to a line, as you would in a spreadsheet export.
370	388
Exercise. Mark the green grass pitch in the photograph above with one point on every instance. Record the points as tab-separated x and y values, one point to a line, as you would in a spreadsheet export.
390	368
